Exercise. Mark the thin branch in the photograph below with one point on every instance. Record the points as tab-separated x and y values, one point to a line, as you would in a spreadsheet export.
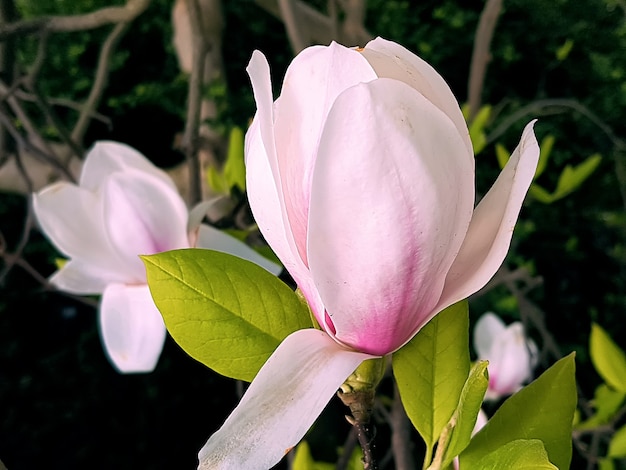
481	55
294	32
191	137
401	434
100	82
67	23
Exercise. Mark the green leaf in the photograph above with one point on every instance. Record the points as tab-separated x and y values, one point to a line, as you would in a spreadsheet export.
540	194
607	402
224	311
606	464
572	177
545	150
464	417
430	371
607	358
543	410
563	51
234	167
216	181
502	154
477	128
303	459
521	454
617	446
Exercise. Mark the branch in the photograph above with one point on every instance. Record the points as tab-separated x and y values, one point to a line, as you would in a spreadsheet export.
191	137
100	82
294	32
68	23
481	55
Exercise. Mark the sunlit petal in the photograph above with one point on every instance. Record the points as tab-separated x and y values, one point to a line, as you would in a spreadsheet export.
489	235
312	83
131	327
281	404
107	157
391	200
143	216
71	218
391	60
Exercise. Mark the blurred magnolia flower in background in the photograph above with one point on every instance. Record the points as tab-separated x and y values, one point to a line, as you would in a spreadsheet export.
361	178
511	355
123	207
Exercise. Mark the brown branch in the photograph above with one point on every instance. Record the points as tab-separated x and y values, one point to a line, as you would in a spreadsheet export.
100	82
401	433
68	23
481	55
294	31
191	137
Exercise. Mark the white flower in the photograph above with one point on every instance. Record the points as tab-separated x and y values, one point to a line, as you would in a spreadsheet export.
123	207
511	355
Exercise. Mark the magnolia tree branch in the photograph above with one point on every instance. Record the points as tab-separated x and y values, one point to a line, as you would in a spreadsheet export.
294	32
68	23
481	55
318	28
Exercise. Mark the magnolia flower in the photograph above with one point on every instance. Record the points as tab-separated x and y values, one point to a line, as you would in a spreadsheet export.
123	207
361	178
511	355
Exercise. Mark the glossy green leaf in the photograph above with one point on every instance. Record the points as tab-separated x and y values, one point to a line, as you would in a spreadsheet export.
225	312
521	454
431	369
617	446
464	417
542	410
608	359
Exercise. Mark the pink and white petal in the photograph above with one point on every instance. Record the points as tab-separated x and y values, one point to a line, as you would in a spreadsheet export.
107	157
489	236
488	328
391	60
214	239
512	360
269	213
312	83
391	199
143	216
81	278
285	398
71	218
131	328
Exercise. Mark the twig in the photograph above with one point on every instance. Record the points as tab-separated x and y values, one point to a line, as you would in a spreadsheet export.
481	55
191	138
100	82
401	433
294	32
67	23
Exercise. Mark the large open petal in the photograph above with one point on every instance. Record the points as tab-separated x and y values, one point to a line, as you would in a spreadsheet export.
83	278
312	83
488	327
131	328
214	239
143	215
391	60
264	183
489	236
107	157
71	218
391	200
281	404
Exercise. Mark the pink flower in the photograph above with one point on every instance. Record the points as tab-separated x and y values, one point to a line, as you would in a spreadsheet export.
123	207
361	178
511	355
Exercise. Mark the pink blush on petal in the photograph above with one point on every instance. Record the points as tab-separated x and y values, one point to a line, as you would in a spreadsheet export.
329	324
